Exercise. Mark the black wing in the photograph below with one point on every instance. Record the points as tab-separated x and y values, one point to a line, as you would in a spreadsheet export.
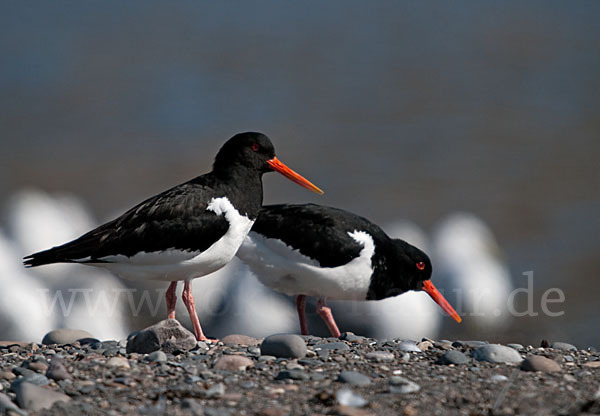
318	232
176	218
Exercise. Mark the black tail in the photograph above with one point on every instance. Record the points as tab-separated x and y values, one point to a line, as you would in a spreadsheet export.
45	257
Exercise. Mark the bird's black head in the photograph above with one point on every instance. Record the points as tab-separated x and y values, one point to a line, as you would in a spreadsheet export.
417	275
254	152
251	150
414	265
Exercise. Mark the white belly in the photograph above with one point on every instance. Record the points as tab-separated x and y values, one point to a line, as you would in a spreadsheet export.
286	270
175	264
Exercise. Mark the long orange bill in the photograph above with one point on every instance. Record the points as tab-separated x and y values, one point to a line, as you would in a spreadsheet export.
278	166
440	300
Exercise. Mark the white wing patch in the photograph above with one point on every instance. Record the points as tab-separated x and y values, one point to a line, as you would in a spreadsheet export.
286	270
176	264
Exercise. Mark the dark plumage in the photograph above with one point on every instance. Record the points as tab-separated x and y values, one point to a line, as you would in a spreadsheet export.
191	229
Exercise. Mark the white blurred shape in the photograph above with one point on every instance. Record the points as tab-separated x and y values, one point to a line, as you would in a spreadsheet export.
253	309
471	265
93	299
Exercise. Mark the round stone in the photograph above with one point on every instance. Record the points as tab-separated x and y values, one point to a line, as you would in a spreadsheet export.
32	397
283	346
564	346
496	353
332	346
157	357
118	362
233	363
354	378
539	363
453	357
66	336
380	356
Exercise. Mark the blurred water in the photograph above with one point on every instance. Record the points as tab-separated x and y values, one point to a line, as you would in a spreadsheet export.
397	110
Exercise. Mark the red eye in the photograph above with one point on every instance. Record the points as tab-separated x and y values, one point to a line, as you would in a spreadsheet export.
255	147
421	265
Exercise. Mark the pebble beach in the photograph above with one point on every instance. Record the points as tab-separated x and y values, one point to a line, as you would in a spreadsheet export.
163	370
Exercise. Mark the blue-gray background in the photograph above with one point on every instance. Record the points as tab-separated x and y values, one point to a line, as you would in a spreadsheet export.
396	109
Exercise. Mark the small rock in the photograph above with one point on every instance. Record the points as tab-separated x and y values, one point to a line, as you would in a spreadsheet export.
517	347
354	378
569	358
233	363
38	366
569	378
332	346
32	397
347	397
341	410
57	370
292	375
496	353
216	390
424	345
539	363
6	406
563	346
470	344
497	378
592	364
380	356
32	378
283	346
7	375
118	362
67	336
168	335
453	357
402	385
408	346
157	357
236	339
351	337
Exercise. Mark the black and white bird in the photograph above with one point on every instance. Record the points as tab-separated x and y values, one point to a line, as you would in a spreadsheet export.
329	253
186	232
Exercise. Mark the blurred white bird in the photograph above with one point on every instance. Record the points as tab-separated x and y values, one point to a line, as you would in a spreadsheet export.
472	270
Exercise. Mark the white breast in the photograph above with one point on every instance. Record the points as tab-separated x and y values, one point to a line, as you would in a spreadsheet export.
175	264
286	270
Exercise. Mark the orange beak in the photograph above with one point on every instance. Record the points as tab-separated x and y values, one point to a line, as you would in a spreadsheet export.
278	166
440	300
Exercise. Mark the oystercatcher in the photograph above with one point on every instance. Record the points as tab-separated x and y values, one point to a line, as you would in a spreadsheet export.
188	231
312	250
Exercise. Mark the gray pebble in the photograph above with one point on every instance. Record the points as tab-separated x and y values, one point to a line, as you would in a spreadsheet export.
497	378
402	385
496	353
453	357
292	375
354	378
408	346
233	363
168	335
284	346
347	397
470	344
517	347
7	405
157	357
332	346
350	337
32	397
564	346
57	370
67	336
380	356
569	358
35	378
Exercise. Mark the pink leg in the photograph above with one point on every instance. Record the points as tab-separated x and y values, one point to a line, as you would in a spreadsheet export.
171	300
325	313
301	306
188	300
